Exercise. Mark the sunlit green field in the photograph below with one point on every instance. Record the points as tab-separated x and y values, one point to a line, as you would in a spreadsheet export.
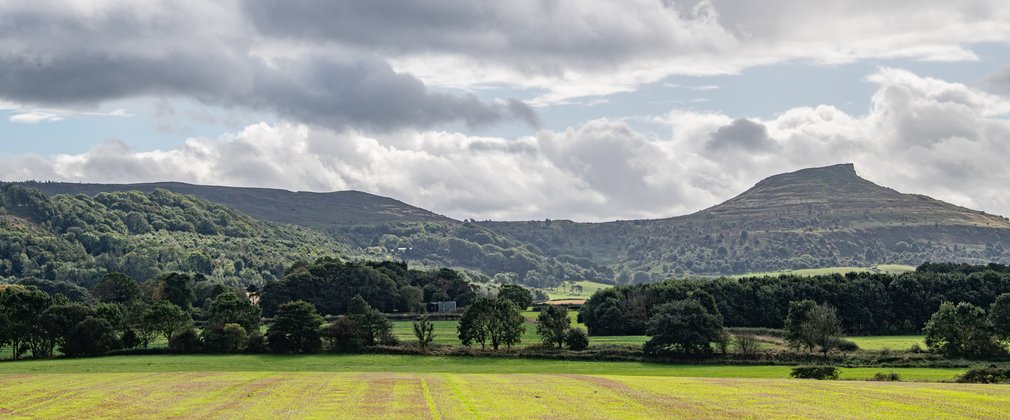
357	386
566	292
891	342
429	364
442	395
883	268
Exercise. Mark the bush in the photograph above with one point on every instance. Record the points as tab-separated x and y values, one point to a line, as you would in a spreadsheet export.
916	348
576	339
814	372
986	375
887	377
187	341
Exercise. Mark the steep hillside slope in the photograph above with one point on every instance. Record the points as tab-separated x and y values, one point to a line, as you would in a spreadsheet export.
79	238
282	206
817	217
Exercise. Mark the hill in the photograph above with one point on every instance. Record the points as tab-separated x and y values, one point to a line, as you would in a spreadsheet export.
298	208
79	238
812	218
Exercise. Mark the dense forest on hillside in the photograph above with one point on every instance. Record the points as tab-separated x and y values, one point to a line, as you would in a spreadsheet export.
472	245
811	218
867	303
80	238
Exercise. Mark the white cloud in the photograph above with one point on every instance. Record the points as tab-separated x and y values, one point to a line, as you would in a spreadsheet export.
34	117
920	135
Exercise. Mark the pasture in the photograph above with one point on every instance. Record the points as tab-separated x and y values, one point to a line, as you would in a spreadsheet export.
882	268
429	364
357	386
566	291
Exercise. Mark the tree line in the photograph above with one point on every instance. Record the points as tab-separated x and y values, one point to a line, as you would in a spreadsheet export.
866	303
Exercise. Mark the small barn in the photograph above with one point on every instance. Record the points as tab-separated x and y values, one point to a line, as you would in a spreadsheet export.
442	306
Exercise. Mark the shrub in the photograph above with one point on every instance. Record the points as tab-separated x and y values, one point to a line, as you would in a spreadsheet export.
916	348
746	343
887	377
814	372
576	339
187	341
986	375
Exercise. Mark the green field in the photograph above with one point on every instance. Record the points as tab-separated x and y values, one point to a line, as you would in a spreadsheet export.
565	292
428	364
882	268
355	386
447	395
890	342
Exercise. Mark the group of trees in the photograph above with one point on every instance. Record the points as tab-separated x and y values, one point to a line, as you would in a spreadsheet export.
329	284
80	238
966	330
120	314
865	303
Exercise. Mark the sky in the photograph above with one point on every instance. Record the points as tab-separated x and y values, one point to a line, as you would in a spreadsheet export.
587	110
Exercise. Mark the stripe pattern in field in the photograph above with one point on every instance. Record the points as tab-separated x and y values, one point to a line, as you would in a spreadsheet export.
450	396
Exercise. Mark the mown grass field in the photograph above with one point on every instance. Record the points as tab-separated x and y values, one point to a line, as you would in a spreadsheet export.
442	395
428	364
890	342
356	386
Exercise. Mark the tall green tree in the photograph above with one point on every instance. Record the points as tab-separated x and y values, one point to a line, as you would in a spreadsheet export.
798	315
176	288
295	329
492	321
961	330
682	327
117	288
21	310
552	325
374	326
999	316
59	320
517	294
92	336
166	318
229	308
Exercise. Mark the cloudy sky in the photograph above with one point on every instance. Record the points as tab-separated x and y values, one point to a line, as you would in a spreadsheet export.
525	109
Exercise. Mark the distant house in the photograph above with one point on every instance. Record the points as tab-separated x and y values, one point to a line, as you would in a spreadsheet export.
442	306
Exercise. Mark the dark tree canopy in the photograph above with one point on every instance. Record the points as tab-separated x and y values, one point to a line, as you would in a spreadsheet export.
491	321
519	295
117	288
329	285
682	327
295	329
552	325
961	330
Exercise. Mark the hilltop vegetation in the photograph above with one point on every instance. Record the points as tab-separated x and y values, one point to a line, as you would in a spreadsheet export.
79	238
808	219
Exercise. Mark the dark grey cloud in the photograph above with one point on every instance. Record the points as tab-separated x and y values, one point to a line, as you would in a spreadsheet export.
67	58
534	36
741	134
